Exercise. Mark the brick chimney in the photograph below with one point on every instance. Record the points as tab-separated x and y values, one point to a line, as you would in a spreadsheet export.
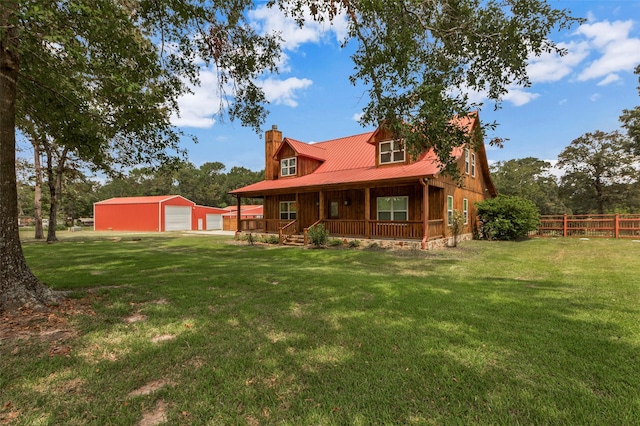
272	141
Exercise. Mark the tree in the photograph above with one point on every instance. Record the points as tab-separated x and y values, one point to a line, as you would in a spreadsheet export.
529	178
87	74
418	57
96	58
600	170
631	120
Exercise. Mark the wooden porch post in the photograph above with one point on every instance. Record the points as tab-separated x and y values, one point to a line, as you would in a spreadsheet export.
367	212
425	214
617	226
297	215
238	216
322	212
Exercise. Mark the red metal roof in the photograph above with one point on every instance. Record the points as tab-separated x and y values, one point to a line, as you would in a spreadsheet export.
303	149
246	210
350	160
152	199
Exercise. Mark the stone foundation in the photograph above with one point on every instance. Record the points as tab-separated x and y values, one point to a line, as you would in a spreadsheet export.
375	243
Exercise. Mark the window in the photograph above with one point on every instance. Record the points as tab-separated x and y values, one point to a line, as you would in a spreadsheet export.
473	164
288	166
287	210
391	152
465	210
393	208
466	160
449	210
334	210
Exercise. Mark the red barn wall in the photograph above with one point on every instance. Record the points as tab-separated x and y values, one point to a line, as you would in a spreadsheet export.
127	217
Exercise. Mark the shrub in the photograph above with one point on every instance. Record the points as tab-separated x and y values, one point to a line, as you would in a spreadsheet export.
271	239
507	217
318	235
456	225
354	243
335	242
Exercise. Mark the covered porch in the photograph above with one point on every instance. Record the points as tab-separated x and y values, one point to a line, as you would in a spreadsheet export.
413	211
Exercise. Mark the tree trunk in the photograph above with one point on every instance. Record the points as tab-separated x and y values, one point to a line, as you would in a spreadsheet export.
18	286
37	202
54	180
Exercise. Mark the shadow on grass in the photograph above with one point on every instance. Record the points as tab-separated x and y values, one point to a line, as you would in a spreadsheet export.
329	337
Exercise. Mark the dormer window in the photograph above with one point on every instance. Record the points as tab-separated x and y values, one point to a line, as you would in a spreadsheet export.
288	166
392	152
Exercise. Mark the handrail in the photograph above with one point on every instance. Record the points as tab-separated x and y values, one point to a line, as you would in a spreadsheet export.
305	231
286	231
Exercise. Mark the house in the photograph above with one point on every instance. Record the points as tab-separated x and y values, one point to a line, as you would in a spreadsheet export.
366	186
230	218
155	214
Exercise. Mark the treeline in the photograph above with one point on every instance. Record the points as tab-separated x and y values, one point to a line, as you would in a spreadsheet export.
597	173
206	185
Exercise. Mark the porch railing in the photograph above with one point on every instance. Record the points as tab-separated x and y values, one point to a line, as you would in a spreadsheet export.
286	231
389	229
351	228
345	228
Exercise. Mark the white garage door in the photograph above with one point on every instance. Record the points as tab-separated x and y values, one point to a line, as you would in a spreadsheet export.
214	221
177	218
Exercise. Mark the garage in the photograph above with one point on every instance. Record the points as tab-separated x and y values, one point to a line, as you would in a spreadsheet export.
214	222
154	213
177	218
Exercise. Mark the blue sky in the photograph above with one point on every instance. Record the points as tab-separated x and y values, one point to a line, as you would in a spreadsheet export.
312	99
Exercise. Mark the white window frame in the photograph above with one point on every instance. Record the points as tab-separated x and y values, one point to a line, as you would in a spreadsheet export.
392	212
396	146
473	164
288	208
449	209
465	210
288	166
466	160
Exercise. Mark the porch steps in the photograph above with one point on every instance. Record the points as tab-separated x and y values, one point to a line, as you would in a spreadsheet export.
294	240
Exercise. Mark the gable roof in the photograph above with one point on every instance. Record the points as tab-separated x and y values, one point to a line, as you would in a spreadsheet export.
348	160
352	160
152	199
302	149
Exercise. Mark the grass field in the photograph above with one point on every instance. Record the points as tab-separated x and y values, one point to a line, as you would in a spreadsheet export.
193	330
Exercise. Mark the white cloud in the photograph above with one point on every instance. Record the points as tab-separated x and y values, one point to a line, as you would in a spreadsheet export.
198	109
594	97
554	170
618	51
550	67
284	91
519	97
603	33
357	116
269	20
611	78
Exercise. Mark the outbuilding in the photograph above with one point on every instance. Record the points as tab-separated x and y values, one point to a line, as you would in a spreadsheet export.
154	214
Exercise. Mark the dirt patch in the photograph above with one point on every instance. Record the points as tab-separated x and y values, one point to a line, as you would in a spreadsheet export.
137	317
48	326
151	387
155	416
163	338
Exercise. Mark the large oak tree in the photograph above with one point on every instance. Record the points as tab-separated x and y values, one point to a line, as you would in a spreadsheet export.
416	58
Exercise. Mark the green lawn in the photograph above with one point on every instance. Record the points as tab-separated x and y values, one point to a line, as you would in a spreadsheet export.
199	331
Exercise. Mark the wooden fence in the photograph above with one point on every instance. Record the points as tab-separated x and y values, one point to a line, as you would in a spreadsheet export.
589	226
